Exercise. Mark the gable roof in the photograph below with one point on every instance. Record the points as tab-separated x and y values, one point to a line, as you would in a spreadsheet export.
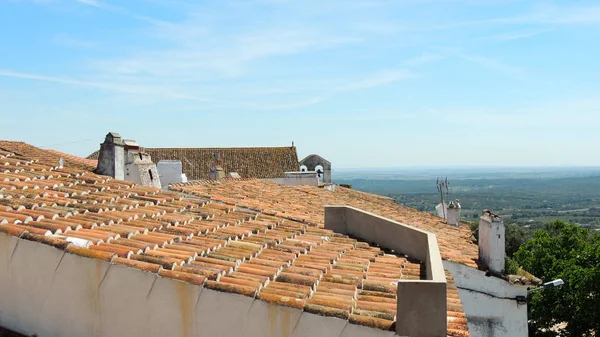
275	256
306	203
50	156
249	162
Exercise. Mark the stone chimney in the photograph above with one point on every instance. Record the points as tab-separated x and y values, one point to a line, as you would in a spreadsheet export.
111	160
491	241
124	159
216	173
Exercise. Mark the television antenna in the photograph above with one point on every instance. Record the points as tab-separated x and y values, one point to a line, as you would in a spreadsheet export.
443	185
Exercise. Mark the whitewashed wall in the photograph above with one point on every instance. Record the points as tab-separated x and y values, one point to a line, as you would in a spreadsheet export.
489	303
48	292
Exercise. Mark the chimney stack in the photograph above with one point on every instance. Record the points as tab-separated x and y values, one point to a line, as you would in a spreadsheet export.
491	241
125	160
216	173
453	213
111	161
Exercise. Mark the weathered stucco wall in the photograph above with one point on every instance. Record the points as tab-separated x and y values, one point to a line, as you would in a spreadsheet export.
48	292
112	160
489	303
300	178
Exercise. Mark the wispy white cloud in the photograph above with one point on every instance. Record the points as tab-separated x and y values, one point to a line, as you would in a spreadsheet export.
138	89
424	58
326	93
495	65
42	2
554	113
516	35
224	55
292	105
566	14
393	27
540	15
94	3
379	79
69	41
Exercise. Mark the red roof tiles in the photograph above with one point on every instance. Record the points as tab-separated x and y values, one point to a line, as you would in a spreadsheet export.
50	156
236	249
83	161
306	204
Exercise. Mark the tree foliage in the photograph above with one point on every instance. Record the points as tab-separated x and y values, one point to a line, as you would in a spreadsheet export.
515	236
571	253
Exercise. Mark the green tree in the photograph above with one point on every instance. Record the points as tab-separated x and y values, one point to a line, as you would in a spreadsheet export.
516	236
571	253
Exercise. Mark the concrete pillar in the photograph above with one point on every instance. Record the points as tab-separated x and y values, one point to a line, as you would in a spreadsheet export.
492	241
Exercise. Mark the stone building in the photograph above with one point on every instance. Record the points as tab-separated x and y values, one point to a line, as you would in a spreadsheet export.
317	164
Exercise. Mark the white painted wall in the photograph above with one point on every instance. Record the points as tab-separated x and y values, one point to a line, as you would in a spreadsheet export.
48	292
300	178
492	242
489	303
170	172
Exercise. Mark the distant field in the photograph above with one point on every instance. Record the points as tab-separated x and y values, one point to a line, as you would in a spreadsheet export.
530	202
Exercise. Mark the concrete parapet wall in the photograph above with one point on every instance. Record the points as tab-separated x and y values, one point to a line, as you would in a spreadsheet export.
48	292
300	178
421	303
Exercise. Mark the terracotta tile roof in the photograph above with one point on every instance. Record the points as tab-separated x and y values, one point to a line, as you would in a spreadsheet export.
50	156
249	162
306	203
267	255
84	161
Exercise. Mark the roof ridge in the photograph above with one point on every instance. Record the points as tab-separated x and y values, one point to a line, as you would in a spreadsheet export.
221	148
34	152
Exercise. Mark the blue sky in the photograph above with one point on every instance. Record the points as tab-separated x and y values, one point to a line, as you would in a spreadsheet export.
364	83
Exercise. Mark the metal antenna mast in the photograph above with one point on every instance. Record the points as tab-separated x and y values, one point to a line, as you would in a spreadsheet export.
443	184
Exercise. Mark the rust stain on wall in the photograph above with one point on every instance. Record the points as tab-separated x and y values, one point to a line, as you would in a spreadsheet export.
186	307
279	320
94	296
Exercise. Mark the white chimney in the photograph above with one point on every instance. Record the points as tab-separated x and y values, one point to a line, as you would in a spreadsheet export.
453	213
491	241
61	163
